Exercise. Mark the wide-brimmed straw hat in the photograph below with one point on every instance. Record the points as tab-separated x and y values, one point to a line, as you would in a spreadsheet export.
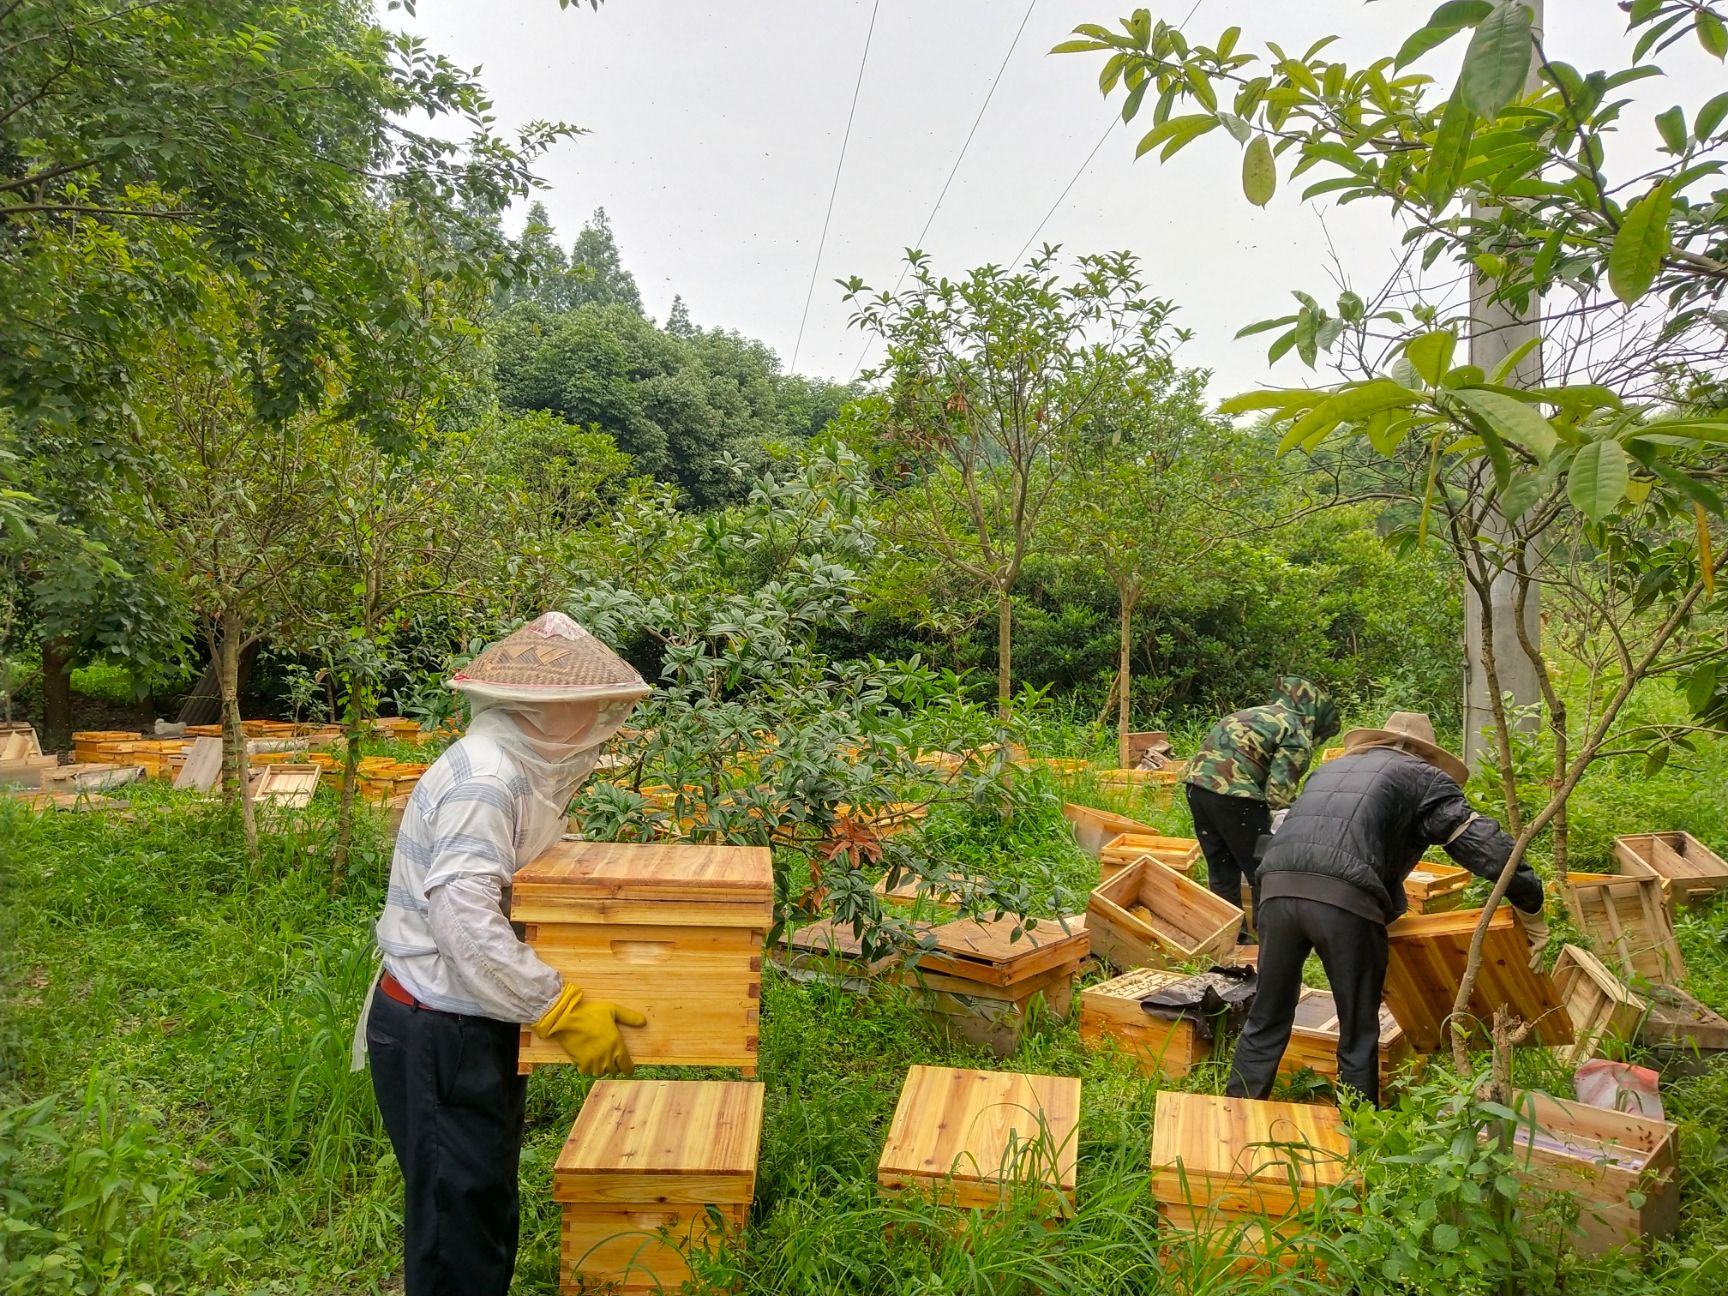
551	659
1413	733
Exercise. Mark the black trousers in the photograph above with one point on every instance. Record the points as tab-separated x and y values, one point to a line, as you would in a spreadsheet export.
1353	950
1227	828
453	1105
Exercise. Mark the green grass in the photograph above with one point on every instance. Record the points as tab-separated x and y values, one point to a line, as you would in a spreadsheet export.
173	1055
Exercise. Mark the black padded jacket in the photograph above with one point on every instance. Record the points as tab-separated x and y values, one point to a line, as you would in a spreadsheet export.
1364	820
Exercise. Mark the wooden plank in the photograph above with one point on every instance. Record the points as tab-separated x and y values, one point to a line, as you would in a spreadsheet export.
974	1132
1602	1009
1314	1039
1093	828
1625	918
690	1142
1149	915
1111	1011
1691	873
574	875
1427	954
1242	1156
1002	951
203	766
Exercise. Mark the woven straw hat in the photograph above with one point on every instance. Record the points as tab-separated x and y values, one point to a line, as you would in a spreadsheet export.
551	659
1410	732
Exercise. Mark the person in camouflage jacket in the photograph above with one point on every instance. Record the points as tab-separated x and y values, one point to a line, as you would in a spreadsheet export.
1251	764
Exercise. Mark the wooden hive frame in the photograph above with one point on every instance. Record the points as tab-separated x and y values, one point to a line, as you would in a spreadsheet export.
1691	873
1597	1001
1425	966
970	1136
1626	918
1314	1039
1241	1157
1188	923
1179	853
1111	1011
1608	1160
1094	829
1435	888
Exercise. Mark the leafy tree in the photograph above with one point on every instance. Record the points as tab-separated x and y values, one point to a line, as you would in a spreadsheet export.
991	379
1586	482
544	269
678	319
597	273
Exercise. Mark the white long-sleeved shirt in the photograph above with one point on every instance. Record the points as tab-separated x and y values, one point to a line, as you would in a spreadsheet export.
445	930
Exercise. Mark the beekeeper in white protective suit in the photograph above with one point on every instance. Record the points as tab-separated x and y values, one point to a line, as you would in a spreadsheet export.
457	985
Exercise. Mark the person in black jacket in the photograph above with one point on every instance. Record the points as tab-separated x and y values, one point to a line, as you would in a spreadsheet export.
1332	879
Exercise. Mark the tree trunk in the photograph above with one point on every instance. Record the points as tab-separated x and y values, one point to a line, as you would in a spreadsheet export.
57	695
1124	675
350	784
236	769
1004	652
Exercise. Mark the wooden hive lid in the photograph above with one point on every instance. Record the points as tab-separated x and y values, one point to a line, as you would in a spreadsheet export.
689	1142
1210	1140
1001	951
977	1126
651	871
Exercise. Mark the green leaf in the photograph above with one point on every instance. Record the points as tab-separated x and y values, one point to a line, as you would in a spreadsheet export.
1497	60
1511	419
1446	1237
1710	116
1431	355
1637	252
1448	155
1511	362
1264	326
1520	493
1259	171
1308	336
1445	23
1239	130
1284	398
1597	482
1712	34
1672	125
1175	133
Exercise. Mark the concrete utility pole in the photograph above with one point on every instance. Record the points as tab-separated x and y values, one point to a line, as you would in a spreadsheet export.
1495	333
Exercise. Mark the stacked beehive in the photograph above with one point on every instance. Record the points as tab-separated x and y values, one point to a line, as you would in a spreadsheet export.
986	980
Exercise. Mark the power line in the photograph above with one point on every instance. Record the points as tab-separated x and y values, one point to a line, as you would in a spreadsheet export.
955	169
838	167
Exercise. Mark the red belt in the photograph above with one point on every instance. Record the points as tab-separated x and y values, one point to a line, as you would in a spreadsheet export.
394	989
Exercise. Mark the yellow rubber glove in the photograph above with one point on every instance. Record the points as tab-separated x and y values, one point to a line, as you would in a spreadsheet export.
588	1031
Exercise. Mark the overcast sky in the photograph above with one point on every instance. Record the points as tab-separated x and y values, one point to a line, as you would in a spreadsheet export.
714	130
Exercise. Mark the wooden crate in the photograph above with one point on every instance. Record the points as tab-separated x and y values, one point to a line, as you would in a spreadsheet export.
1673	1020
1094	829
288	787
1426	966
1002	952
1111	1011
1605	1159
89	777
985	986
1625	919
1691	873
1179	853
1602	1009
1435	888
674	931
18	741
25	771
1240	1157
651	1169
1314	1040
1179	921
968	1136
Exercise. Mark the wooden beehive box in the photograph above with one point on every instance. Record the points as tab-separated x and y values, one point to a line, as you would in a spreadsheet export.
289	787
674	931
18	741
89	777
1690	871
827	951
1148	915
25	771
1673	1019
1179	853
157	755
1602	1009
1239	1157
97	746
1094	829
986	985
1427	954
1160	1046
969	1136
1314	1039
1167	777
652	1168
906	890
1620	1168
1625	918
1435	888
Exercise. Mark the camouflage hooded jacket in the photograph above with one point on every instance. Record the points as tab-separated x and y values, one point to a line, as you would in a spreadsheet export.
1263	752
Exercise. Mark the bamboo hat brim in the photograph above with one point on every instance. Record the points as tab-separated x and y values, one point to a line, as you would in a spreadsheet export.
551	659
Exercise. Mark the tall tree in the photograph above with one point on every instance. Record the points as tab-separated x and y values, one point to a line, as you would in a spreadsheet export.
991	378
597	272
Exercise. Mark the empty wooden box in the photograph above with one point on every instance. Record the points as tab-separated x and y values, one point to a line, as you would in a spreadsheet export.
1239	1158
1094	829
1159	1045
1152	916
985	984
673	931
1314	1039
1625	918
1427	954
651	1169
1602	1009
970	1136
1179	853
288	786
1620	1168
1690	871
1435	888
